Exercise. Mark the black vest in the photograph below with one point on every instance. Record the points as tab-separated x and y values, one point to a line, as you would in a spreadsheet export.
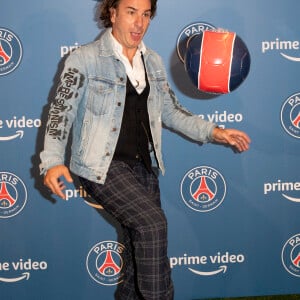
135	134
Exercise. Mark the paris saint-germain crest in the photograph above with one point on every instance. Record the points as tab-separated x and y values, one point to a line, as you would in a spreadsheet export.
13	195
10	51
290	115
203	188
105	263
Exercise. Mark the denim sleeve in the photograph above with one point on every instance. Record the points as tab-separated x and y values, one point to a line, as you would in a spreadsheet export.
62	112
178	118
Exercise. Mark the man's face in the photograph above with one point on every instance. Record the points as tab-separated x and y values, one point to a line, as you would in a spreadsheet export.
130	21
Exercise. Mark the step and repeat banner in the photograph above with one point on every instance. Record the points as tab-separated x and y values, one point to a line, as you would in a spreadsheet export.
234	225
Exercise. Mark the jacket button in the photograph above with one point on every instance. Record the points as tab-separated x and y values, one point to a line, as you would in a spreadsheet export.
98	177
107	154
114	129
121	79
119	103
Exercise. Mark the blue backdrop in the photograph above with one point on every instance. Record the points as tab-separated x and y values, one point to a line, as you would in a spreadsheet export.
244	239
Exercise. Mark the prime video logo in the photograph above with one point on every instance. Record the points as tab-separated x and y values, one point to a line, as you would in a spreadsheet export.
285	188
283	47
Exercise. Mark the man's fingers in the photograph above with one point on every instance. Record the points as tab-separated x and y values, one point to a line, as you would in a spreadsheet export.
56	187
240	143
53	182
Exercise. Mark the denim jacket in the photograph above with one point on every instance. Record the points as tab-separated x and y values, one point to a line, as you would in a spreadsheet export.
90	100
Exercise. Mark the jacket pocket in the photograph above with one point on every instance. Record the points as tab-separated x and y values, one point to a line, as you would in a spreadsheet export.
100	96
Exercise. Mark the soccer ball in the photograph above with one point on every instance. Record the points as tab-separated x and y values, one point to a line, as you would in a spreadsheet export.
216	61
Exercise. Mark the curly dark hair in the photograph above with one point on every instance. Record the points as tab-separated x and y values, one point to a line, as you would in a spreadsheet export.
103	11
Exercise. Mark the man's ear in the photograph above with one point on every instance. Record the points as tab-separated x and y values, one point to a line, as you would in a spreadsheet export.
113	12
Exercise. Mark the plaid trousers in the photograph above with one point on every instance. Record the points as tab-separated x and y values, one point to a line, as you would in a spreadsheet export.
131	195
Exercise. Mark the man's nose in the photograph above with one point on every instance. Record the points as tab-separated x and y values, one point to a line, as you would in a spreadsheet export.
139	21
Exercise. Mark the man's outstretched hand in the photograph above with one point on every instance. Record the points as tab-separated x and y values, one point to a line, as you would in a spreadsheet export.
53	182
233	137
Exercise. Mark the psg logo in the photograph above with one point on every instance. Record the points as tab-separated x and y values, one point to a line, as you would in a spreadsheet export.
203	189
290	115
13	195
187	33
291	255
10	51
104	262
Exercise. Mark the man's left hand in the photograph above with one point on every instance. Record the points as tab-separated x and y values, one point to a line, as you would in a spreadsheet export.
233	137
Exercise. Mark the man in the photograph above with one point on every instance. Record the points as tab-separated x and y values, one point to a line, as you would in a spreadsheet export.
115	94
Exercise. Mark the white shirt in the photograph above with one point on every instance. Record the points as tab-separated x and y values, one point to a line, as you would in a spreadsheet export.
136	71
